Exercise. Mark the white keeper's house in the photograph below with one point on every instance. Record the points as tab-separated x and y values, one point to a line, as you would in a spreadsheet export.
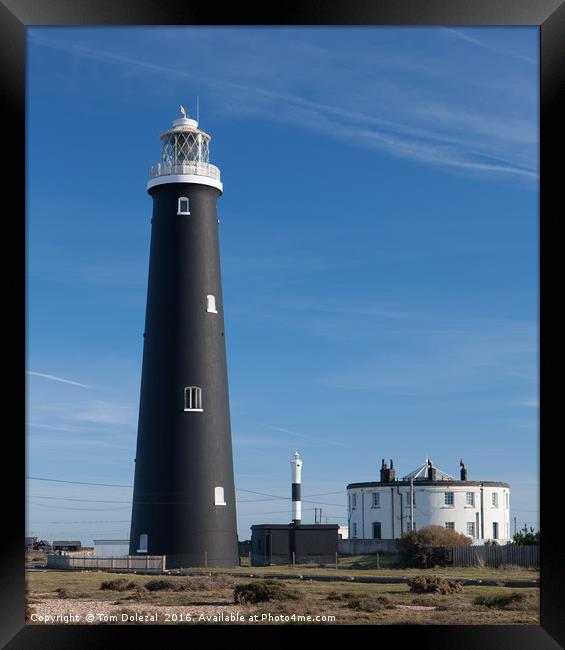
427	496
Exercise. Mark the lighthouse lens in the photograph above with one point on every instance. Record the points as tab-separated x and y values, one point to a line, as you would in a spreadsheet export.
181	147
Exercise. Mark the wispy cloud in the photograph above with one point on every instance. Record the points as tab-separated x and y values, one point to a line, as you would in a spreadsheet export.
485	145
530	403
446	361
304	436
492	48
55	378
51	427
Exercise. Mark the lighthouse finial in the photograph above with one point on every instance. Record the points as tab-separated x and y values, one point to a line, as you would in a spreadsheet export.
183	110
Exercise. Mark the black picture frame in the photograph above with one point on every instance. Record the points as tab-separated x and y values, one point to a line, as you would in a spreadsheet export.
15	17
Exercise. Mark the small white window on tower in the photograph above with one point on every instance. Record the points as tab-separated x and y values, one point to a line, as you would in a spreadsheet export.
219	499
183	205
211	304
192	398
142	543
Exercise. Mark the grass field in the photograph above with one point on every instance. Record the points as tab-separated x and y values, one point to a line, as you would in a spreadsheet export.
348	602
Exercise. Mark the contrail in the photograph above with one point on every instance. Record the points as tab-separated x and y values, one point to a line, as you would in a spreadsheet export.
52	377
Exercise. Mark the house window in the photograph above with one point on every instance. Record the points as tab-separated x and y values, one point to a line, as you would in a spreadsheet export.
192	398
219	496
448	498
211	304
507	499
354	529
376	500
471	528
450	524
470	498
143	539
183	205
495	500
495	529
376	530
353	501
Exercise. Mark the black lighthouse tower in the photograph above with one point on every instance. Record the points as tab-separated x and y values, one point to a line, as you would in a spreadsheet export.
184	494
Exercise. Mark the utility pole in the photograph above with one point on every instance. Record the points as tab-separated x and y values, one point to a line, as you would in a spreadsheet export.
412	504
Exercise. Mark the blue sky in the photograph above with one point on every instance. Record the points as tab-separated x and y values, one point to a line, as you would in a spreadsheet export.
379	248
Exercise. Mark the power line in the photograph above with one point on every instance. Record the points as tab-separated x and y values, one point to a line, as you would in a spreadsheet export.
90	521
37	496
272	496
60	507
57	480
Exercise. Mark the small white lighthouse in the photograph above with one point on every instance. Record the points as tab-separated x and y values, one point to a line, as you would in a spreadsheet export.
296	463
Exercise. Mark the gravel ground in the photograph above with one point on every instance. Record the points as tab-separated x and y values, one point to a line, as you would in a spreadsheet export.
61	611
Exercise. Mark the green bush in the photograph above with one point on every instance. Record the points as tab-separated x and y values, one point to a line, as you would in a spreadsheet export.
430	546
261	591
527	537
434	585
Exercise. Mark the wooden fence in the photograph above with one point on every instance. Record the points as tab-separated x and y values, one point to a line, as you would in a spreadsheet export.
495	556
132	562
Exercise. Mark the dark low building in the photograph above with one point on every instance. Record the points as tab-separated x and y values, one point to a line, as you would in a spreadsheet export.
30	543
67	545
244	547
310	543
42	545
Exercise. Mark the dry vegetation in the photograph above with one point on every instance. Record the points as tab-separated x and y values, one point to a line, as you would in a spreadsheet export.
349	602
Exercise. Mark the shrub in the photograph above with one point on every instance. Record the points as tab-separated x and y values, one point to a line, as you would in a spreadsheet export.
434	585
501	601
62	592
430	546
263	591
369	603
119	584
162	584
527	537
196	583
335	595
135	594
426	600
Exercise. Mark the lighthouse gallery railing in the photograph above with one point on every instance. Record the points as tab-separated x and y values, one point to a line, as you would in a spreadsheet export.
189	168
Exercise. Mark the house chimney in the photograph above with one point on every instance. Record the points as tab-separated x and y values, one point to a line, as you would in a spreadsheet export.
431	471
391	472
384	472
463	470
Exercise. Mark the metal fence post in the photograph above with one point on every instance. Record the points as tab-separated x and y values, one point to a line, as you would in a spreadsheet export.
336	561
206	559
293	559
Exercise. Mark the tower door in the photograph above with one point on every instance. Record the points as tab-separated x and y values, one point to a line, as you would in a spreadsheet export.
376	530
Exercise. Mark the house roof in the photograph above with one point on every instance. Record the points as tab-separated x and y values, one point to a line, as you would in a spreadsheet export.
421	474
